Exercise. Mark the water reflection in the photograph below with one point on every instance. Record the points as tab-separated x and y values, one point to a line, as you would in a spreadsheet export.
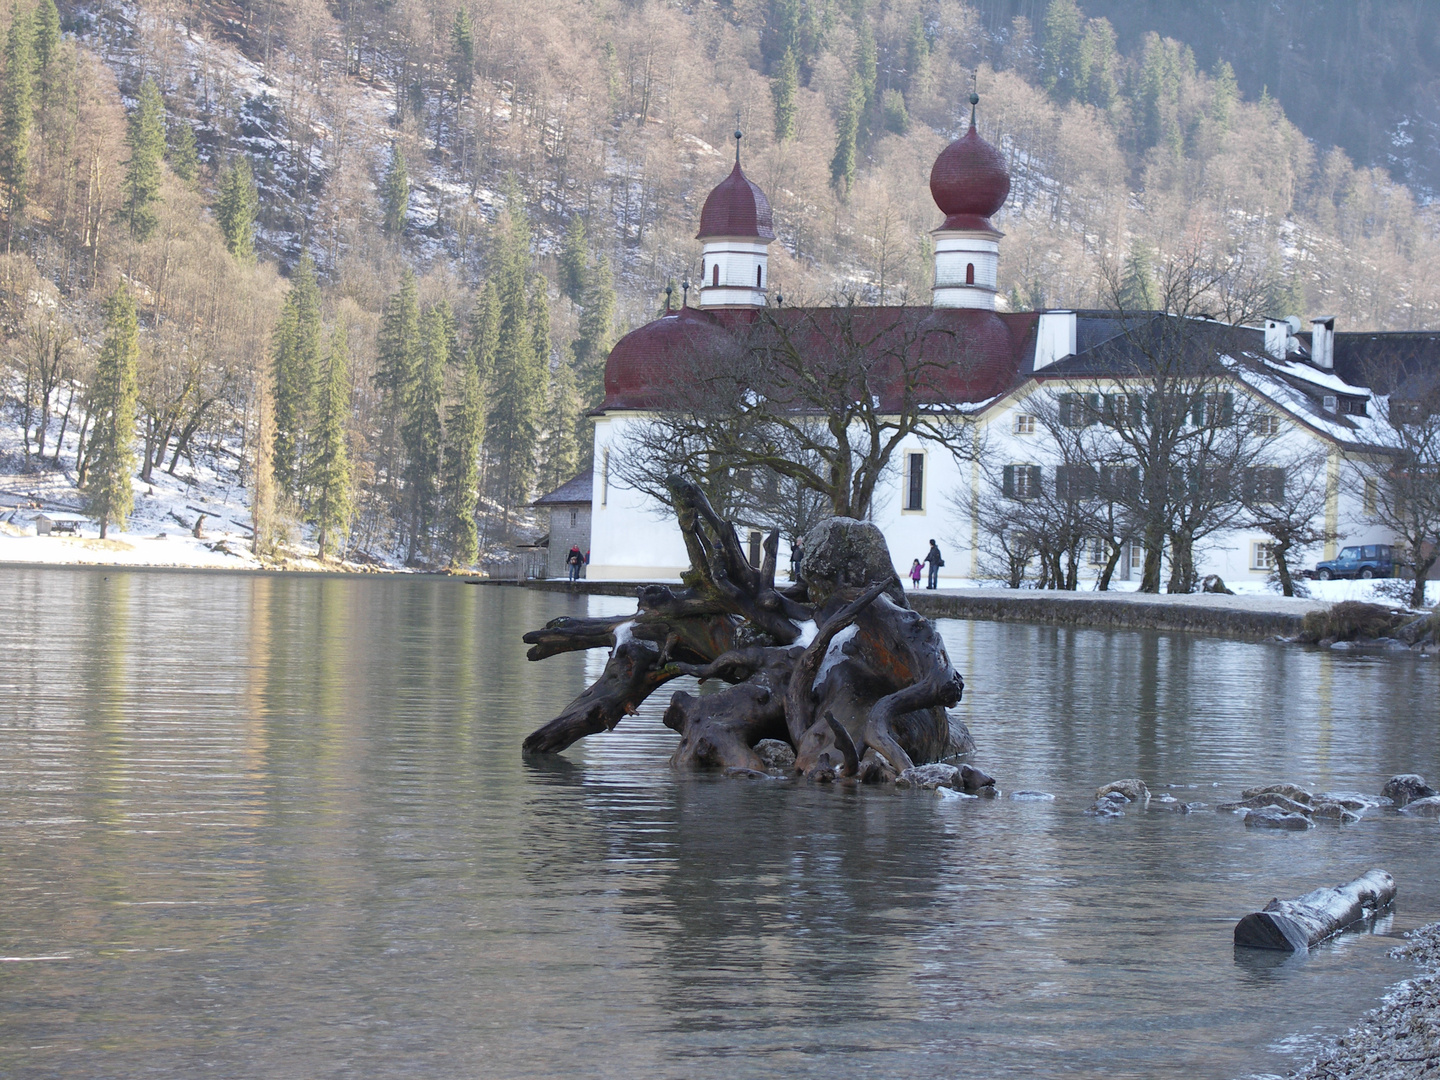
282	827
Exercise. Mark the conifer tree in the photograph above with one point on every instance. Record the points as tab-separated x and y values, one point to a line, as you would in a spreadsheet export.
564	423
574	260
398	354
16	114
182	155
1097	61
395	192
843	164
297	369
784	87
236	209
517	397
328	472
1060	50
1224	94
460	471
866	63
917	54
421	431
597	319
1138	291
484	331
146	140
462	45
47	34
112	407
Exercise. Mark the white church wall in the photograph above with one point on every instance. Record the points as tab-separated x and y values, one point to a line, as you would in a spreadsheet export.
632	536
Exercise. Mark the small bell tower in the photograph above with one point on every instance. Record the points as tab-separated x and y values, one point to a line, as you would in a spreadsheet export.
736	229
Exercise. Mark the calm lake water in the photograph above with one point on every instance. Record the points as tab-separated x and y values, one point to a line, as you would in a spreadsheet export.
280	826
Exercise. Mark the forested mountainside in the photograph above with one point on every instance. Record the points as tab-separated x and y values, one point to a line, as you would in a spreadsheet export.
376	250
1363	75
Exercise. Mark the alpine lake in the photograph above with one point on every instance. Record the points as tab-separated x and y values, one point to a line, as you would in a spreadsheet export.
280	826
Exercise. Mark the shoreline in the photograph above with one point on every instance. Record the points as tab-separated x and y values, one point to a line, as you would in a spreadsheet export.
1243	617
1400	1039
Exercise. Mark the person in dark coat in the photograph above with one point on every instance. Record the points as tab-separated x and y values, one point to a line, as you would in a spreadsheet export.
574	561
797	552
933	559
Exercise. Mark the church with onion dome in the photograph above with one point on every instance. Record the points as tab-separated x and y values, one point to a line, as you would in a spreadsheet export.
990	364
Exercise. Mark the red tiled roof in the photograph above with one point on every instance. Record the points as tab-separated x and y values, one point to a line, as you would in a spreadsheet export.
975	354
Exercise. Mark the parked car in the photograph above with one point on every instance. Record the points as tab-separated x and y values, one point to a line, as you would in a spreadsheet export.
1367	561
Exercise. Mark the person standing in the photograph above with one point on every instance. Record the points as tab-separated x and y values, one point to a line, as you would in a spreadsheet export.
574	561
797	552
915	575
932	557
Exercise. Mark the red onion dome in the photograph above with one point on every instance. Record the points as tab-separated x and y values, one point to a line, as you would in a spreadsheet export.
736	208
642	368
969	181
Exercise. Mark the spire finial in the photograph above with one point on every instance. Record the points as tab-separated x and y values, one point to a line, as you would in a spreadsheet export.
669	292
974	98
738	135
685	296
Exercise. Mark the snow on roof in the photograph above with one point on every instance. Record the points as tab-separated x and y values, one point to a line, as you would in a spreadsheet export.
1342	427
1308	373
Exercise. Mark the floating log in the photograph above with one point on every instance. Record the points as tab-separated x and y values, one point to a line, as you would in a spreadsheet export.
1298	925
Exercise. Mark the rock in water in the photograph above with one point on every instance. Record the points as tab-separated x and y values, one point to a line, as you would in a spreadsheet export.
776	754
934	775
1426	807
1032	796
1290	791
1406	787
973	779
1255	802
1297	925
1134	790
1214	583
1272	817
845	554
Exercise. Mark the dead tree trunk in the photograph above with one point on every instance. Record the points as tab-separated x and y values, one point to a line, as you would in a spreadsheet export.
838	665
1297	925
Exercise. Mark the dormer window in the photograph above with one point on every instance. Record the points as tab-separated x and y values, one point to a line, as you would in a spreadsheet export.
1330	403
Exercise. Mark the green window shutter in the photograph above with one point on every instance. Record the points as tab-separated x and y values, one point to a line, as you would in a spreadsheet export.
1197	411
1067	409
1034	480
1227	409
1008	483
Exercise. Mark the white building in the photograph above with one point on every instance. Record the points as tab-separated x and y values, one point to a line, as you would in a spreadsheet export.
1305	387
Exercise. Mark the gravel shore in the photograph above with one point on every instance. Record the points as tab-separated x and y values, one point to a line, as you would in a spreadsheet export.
1401	1039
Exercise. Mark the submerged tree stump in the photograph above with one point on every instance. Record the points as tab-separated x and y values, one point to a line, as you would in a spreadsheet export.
837	665
1297	925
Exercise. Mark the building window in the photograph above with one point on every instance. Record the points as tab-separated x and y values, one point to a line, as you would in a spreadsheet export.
1262	555
715	274
1099	551
1267	424
758	279
574	517
1372	497
914	481
1137	554
969	273
1024	424
605	477
1021	481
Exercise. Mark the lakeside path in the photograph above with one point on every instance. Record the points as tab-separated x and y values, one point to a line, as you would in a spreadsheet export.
1251	616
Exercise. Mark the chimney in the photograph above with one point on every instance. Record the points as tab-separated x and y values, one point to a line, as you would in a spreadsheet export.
1280	334
1054	337
1322	342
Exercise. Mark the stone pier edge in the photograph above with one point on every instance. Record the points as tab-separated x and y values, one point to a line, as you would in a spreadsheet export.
1102	611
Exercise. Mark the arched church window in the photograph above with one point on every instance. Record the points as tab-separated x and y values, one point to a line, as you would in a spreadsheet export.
969	273
715	275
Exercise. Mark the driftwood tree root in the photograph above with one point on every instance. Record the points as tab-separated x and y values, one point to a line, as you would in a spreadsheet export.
857	684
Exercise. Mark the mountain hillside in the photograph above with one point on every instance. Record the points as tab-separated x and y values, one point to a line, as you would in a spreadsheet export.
379	249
